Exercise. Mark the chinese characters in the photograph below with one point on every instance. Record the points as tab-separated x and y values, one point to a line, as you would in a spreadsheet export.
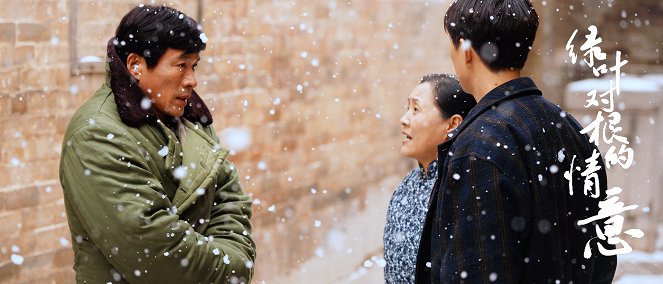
604	128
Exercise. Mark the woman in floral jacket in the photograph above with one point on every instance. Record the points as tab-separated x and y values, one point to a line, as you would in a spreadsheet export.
435	107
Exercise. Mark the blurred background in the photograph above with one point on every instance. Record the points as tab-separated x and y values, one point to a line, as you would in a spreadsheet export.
308	95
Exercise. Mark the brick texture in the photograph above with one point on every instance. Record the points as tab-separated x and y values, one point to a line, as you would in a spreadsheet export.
32	32
7	32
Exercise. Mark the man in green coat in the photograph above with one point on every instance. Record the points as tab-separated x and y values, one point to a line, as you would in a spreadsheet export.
149	194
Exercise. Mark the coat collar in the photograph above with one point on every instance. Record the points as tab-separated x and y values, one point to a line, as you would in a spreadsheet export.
128	96
512	89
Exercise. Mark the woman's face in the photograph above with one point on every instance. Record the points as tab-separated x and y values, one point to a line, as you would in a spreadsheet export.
422	125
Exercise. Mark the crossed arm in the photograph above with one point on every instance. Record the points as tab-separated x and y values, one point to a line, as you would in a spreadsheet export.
125	213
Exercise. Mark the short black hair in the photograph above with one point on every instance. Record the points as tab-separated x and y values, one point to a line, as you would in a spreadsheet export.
501	31
449	96
150	30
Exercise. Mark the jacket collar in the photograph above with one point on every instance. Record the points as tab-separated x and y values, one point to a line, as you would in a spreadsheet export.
128	96
512	89
430	170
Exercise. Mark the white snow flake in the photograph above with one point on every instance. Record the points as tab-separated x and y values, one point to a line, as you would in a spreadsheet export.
203	37
560	155
180	172
145	103
554	169
237	139
492	277
164	151
64	242
17	259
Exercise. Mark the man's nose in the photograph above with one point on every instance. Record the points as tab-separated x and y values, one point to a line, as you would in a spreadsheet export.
190	80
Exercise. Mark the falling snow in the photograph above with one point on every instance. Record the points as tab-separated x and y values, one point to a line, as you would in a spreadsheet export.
17	259
237	139
180	172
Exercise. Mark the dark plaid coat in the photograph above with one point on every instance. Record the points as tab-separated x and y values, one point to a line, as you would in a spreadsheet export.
501	210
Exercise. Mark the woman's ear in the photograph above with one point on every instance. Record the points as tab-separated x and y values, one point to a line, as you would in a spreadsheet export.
135	65
454	122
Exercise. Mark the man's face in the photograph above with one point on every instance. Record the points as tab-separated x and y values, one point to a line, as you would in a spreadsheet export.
170	83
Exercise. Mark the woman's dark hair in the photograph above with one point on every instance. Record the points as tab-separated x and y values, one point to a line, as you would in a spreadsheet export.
501	31
449	96
150	30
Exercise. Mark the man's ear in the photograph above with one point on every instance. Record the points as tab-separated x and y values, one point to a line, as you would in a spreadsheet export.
454	122
135	64
467	52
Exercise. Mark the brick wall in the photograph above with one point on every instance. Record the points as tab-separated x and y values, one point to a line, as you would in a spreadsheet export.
317	150
35	80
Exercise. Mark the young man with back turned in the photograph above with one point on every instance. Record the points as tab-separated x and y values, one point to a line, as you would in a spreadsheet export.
501	210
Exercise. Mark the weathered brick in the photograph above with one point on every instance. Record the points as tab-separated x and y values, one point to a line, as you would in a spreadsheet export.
41	148
9	224
9	152
45	169
5	104
22	197
98	33
54	10
44	103
50	192
8	85
42	241
64	256
7	33
19	104
9	272
22	55
12	175
48	53
29	126
44	78
55	276
33	264
36	102
64	275
14	10
48	214
61	123
32	32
